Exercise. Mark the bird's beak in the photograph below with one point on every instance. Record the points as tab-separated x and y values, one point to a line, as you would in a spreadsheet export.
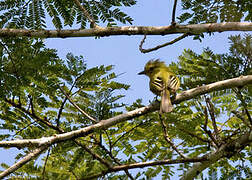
143	72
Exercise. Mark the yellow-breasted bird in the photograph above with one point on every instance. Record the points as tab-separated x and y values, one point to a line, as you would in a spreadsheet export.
163	82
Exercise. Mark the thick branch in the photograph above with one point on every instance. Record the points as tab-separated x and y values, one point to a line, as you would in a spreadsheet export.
146	164
154	163
226	150
23	161
220	85
130	30
104	124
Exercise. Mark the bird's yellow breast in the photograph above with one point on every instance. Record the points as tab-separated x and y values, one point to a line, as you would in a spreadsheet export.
159	80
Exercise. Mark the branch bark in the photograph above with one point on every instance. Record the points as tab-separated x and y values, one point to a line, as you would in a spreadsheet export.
162	45
23	161
168	140
145	164
130	30
226	150
104	124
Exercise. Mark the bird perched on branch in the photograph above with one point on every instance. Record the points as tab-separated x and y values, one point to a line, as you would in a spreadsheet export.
163	82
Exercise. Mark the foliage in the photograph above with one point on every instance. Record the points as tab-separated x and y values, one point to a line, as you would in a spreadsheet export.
33	14
215	11
33	81
200	11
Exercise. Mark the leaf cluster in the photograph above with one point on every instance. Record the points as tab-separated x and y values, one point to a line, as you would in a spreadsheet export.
200	11
201	69
34	81
33	14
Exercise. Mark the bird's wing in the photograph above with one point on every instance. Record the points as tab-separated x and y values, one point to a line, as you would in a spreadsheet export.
173	83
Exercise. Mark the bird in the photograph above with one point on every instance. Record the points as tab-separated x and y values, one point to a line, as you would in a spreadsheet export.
163	82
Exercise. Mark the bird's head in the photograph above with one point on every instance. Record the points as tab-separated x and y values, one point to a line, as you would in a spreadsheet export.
151	66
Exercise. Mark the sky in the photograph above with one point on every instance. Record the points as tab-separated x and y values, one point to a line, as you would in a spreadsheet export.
123	52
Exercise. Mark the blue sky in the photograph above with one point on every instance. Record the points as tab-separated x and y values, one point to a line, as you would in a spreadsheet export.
122	51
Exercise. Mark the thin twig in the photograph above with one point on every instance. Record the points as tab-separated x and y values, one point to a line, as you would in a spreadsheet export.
239	94
208	132
162	45
31	103
206	117
115	160
193	135
141	123
44	168
63	103
109	140
104	124
109	152
174	13
237	114
85	12
168	139
210	108
12	61
60	111
24	128
95	156
76	177
77	107
33	115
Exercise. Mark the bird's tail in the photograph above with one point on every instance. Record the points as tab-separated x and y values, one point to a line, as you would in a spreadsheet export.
166	105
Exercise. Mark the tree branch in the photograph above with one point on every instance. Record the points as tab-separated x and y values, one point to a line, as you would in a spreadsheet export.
32	114
245	121
145	164
104	124
129	30
64	101
220	85
210	107
162	45
96	156
194	135
241	98
85	12
45	163
127	132
77	107
208	132
23	161
174	12
226	150
114	159
43	140
168	139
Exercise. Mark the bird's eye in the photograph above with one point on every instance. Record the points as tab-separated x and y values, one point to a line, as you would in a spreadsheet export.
151	68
